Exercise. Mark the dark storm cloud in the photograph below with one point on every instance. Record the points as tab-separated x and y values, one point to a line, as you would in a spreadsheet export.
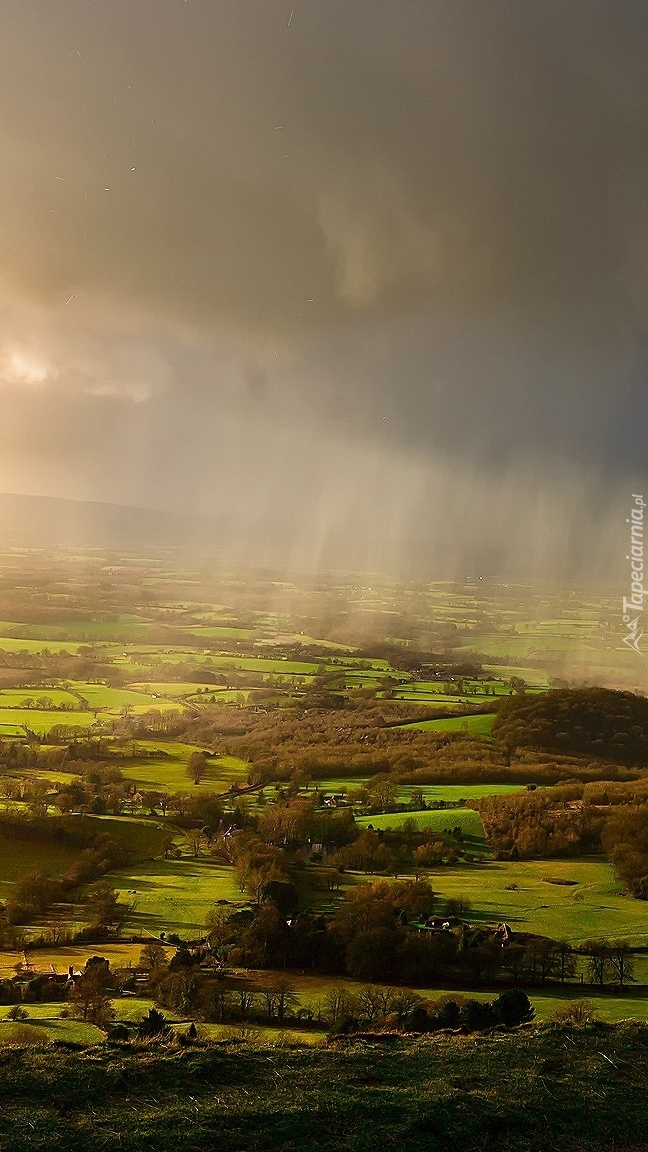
212	162
399	248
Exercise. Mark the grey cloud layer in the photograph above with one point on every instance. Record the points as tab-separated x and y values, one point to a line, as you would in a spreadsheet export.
408	234
211	161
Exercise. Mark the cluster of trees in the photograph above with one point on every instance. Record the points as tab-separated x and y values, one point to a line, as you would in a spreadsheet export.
571	820
352	1012
101	789
543	823
34	892
390	850
609	962
278	841
16	756
588	721
219	996
365	739
625	841
379	932
50	667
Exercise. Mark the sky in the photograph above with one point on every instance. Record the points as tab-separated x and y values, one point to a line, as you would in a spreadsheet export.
363	281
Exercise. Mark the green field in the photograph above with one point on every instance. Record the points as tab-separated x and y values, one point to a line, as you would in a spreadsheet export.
142	838
11	644
61	956
100	697
516	891
70	1031
20	856
16	698
464	818
42	722
312	991
48	1017
479	725
236	663
168	773
217	632
83	631
171	691
408	695
432	793
532	645
174	895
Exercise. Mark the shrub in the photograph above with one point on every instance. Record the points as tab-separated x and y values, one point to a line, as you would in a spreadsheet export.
154	1026
23	1035
513	1007
17	1013
478	1015
575	1012
118	1032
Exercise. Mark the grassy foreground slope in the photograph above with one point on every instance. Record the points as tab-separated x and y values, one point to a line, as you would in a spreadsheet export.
581	1090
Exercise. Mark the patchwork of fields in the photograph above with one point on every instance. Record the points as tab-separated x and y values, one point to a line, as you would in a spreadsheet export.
205	661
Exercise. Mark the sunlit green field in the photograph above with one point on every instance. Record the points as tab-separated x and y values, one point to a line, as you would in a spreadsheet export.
26	698
48	1017
432	793
42	722
174	895
130	1009
437	821
242	663
516	891
168	773
171	691
408	695
479	725
102	697
47	1028
61	956
11	644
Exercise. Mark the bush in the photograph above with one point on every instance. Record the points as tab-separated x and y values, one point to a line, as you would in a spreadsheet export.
445	1013
154	1026
513	1007
23	1036
478	1015
575	1012
119	1032
17	1013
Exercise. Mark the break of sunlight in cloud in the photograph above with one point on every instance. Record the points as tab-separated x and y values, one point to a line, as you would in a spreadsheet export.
21	367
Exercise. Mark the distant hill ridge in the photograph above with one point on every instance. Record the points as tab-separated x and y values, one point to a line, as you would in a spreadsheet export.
49	521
